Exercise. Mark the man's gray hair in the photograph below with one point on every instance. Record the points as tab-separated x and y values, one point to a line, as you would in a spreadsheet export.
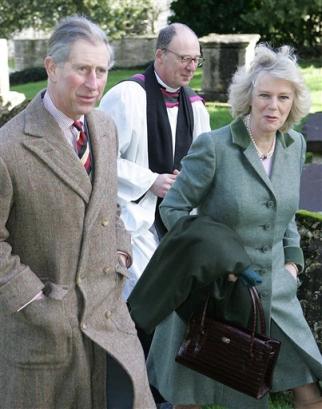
71	29
280	64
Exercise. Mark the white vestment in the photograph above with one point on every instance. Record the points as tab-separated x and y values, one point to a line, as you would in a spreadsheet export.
126	104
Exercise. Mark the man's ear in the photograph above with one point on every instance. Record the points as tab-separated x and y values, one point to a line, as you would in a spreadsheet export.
51	68
158	55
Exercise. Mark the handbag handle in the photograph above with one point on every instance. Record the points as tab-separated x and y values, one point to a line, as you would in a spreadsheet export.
256	304
257	310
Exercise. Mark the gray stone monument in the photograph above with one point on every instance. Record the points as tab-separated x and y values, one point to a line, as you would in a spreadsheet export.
223	53
8	99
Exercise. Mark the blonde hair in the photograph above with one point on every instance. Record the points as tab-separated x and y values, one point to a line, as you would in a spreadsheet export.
281	64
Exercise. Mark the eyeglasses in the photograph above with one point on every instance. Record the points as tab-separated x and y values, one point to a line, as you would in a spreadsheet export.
186	59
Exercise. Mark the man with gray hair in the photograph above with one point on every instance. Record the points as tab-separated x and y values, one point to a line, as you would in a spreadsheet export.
157	117
64	251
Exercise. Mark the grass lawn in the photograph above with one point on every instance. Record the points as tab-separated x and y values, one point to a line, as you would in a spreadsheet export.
219	112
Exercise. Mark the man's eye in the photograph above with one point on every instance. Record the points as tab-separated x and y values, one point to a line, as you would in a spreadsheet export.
101	72
186	59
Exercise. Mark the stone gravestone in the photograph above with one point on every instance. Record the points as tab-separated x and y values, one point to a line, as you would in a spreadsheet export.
311	180
311	188
312	129
4	72
8	99
223	53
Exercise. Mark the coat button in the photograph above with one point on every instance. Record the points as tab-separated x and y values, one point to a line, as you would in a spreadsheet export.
267	226
105	222
270	204
265	249
107	269
108	314
84	326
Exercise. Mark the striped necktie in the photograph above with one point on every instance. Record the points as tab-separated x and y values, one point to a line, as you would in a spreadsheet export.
82	146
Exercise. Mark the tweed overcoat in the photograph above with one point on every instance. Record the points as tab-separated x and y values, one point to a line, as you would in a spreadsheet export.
60	233
223	175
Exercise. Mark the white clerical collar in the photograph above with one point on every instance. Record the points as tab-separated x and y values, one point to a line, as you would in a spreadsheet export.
169	89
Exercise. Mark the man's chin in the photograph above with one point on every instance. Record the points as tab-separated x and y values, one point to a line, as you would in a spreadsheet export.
185	81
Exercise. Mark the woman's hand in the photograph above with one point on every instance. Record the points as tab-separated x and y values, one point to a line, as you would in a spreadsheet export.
292	269
248	276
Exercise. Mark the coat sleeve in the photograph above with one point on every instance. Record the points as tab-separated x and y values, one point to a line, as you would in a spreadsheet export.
18	284
126	104
292	250
193	182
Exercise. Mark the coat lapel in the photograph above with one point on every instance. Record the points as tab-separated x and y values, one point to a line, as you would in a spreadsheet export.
283	141
102	157
240	137
49	144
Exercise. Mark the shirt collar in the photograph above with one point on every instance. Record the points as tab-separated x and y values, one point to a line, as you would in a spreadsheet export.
169	89
63	120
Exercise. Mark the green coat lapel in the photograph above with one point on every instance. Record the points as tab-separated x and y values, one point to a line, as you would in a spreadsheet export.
240	137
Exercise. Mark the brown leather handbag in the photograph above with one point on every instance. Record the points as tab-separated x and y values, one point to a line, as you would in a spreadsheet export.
237	357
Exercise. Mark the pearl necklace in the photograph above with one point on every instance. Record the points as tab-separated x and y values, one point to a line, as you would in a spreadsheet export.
261	155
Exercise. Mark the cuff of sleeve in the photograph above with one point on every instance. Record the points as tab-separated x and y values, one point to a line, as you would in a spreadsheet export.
19	290
128	258
294	255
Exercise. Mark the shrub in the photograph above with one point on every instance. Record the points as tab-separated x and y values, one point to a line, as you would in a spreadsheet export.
28	75
294	22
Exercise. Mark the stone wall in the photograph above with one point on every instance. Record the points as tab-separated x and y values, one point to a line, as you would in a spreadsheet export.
129	52
134	51
29	53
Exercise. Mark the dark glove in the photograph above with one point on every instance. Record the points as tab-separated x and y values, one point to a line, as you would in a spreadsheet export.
250	277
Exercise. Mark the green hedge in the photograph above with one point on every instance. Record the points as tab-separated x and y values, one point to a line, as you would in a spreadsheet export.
28	75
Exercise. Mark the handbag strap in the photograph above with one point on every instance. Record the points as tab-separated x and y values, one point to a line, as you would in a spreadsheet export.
257	306
204	314
256	310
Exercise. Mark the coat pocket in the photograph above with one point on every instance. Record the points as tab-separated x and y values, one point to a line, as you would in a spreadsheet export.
38	335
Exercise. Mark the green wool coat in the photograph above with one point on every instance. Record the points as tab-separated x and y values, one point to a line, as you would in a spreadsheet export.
60	233
223	176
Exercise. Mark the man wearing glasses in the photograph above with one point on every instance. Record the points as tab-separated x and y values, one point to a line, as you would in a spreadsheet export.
157	117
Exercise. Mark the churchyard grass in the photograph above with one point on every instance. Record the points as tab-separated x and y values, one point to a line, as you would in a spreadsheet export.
219	112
